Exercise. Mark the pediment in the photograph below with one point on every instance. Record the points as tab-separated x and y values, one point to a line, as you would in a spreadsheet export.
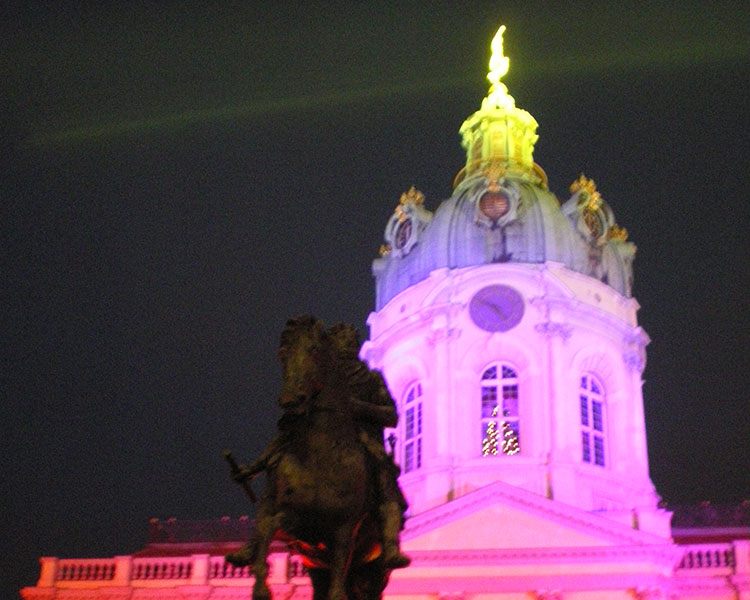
502	516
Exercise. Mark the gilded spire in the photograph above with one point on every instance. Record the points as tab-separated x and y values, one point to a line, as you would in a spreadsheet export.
499	133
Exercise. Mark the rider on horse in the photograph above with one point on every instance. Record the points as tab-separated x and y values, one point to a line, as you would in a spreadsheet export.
372	408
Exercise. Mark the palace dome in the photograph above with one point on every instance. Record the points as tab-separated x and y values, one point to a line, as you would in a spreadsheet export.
501	210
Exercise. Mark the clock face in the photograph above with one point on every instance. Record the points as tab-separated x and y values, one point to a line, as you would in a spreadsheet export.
496	308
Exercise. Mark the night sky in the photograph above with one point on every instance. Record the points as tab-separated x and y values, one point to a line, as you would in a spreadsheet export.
176	182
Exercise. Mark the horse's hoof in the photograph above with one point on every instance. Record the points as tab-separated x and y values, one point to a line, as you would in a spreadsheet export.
241	558
261	591
395	560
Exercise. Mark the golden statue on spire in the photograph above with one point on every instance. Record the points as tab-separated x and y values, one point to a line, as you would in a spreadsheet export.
498	96
499	63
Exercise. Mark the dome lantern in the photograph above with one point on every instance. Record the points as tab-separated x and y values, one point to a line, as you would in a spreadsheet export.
499	133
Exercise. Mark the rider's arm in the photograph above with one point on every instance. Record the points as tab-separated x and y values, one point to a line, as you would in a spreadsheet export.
386	416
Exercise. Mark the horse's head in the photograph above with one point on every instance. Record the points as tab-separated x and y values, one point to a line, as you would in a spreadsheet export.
304	352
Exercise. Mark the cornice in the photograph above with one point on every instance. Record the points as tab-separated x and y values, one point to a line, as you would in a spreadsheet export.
500	493
661	556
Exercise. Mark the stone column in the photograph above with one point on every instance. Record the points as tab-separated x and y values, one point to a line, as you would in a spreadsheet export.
199	574
741	577
48	571
123	568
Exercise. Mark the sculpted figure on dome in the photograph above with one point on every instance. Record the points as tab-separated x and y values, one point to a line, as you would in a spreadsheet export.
331	489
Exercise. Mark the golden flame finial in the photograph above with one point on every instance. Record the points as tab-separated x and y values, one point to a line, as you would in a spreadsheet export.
498	96
499	63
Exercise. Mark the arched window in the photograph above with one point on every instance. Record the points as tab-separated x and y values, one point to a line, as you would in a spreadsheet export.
411	413
593	424
500	417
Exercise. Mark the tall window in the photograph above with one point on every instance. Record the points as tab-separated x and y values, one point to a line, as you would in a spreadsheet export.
411	411
500	418
593	432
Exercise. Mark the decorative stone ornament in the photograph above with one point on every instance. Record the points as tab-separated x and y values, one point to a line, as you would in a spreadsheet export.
496	203
406	224
593	219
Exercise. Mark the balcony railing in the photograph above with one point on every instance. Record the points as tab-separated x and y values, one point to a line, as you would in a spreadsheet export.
196	569
708	556
162	568
203	569
95	569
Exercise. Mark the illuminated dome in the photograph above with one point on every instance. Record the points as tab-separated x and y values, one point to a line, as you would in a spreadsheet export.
501	210
506	332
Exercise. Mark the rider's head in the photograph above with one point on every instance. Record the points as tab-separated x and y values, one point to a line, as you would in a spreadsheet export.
345	337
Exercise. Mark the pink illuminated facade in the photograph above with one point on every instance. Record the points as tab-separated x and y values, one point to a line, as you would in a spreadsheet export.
507	333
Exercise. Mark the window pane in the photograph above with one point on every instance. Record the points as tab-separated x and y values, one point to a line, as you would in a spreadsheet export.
510	407
510	391
596	410
489	402
409	427
489	438
585	446
592	406
510	442
489	394
490	373
598	451
508	373
412	428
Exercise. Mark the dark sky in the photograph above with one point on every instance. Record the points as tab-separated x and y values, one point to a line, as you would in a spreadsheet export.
177	181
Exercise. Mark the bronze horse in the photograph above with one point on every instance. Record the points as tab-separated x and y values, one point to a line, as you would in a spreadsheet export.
319	491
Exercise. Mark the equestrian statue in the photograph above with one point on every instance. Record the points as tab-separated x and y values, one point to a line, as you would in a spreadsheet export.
331	488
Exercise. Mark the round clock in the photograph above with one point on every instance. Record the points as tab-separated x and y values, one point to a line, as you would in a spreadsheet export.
496	308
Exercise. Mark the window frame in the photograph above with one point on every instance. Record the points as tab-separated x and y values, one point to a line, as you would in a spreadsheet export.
499	389
592	420
411	425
